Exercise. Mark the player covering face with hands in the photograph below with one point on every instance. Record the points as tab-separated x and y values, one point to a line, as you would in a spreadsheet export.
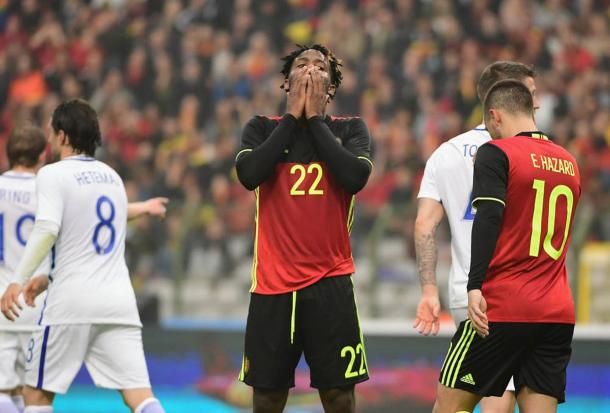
308	86
304	164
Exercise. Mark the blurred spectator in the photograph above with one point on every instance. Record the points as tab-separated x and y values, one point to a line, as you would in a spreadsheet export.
174	81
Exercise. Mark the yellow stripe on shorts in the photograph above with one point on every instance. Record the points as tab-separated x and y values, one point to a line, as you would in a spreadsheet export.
455	354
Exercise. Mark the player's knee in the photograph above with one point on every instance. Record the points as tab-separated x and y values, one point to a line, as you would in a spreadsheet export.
340	400
505	404
150	405
269	401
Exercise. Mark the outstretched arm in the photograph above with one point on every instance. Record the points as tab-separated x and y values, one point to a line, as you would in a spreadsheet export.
155	207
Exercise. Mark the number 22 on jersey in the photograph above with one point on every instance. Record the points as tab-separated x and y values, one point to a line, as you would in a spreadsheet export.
301	172
556	192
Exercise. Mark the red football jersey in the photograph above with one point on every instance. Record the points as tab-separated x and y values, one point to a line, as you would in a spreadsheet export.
302	235
527	279
303	216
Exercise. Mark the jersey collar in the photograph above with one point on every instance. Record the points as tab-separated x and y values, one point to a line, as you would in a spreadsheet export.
19	175
535	135
79	158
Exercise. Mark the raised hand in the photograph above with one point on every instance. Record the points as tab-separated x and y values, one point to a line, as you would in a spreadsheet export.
10	302
297	93
36	286
317	93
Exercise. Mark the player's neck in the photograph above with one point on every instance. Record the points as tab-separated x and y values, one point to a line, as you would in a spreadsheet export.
23	169
521	125
68	151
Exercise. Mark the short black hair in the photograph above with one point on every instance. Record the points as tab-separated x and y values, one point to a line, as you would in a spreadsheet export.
501	70
509	95
335	73
25	145
79	122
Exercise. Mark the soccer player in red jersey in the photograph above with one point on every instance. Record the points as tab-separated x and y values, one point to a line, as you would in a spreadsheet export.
520	307
305	169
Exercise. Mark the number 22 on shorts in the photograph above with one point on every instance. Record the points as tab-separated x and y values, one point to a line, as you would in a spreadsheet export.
351	353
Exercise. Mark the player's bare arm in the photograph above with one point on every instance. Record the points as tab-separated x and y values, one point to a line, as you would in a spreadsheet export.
154	207
429	215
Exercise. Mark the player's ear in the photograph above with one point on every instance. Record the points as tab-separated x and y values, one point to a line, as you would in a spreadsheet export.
495	115
285	85
332	89
63	138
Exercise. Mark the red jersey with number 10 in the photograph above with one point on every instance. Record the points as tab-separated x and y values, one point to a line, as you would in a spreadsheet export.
527	279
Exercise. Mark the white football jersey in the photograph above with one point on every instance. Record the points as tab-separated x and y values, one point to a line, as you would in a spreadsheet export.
91	284
448	179
17	209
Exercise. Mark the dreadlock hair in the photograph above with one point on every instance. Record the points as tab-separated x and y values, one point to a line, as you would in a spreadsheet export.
334	62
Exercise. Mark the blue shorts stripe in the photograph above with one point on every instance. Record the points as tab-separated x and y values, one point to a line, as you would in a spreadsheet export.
44	306
43	353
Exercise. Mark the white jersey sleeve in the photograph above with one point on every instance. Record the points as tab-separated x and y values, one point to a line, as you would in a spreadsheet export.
428	188
91	283
50	198
448	179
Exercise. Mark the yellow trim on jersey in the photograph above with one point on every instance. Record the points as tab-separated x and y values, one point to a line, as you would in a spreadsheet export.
366	159
242	151
487	198
350	214
255	255
293	316
540	136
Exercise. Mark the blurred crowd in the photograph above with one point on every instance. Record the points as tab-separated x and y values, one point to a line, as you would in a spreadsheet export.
174	81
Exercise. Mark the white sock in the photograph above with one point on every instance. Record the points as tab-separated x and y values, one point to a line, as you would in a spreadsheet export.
38	409
150	405
7	405
19	403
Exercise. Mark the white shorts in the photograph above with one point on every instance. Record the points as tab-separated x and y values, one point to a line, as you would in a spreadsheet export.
113	355
460	314
13	349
